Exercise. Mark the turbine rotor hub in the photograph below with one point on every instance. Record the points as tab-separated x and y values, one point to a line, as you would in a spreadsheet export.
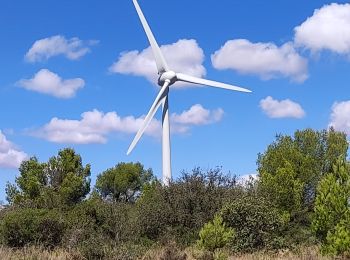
169	76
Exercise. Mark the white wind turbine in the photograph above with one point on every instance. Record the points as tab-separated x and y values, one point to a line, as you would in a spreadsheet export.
167	78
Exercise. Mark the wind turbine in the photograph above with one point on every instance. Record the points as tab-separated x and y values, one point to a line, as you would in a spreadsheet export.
167	77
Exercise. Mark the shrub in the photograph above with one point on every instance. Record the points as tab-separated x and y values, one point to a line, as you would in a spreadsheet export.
215	234
22	227
179	211
338	242
256	223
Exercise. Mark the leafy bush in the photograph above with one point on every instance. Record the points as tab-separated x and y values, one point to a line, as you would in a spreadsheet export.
179	211
338	241
257	223
22	227
215	234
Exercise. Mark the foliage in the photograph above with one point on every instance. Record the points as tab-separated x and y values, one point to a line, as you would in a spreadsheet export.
256	222
61	181
284	189
23	227
180	210
130	212
215	234
123	182
331	220
294	164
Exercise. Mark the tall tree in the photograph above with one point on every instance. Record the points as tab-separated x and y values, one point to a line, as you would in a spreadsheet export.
331	220
62	180
301	160
123	182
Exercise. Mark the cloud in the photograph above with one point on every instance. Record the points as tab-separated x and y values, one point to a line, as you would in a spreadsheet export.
10	156
198	115
327	29
340	117
46	48
95	126
183	56
244	180
50	83
281	109
264	59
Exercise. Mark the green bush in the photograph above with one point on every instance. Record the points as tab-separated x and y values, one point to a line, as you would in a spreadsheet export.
23	227
338	242
215	234
257	224
179	211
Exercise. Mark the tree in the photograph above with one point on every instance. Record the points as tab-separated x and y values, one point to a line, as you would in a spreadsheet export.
284	189
123	182
299	162
215	234
331	221
62	180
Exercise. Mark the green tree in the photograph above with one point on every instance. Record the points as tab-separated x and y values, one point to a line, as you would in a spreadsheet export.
331	220
62	180
215	234
291	167
123	182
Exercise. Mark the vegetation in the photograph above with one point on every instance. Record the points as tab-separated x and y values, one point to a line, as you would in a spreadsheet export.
300	201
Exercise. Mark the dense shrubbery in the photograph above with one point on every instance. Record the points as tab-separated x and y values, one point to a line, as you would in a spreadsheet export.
258	225
301	197
29	226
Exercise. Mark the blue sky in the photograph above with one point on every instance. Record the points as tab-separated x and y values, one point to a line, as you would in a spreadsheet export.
76	74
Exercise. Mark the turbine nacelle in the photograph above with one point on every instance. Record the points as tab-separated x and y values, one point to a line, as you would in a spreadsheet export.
168	76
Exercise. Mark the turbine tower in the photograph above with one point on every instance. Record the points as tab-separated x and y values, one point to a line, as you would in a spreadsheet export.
167	77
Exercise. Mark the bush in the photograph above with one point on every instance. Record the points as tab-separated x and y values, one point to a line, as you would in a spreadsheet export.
23	227
257	224
95	227
338	242
215	234
179	211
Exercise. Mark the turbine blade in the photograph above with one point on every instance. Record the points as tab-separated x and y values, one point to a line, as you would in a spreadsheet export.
195	80
156	104
158	56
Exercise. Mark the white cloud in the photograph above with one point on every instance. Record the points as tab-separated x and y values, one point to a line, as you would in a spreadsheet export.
47	82
46	48
281	109
95	126
10	156
183	56
340	117
264	59
244	180
328	28
198	115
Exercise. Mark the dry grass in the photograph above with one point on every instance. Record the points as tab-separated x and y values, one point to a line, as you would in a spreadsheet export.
32	253
166	253
310	253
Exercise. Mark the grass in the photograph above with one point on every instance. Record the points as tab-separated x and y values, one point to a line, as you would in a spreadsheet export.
162	253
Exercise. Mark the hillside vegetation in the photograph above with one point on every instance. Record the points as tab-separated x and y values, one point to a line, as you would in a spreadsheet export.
298	208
